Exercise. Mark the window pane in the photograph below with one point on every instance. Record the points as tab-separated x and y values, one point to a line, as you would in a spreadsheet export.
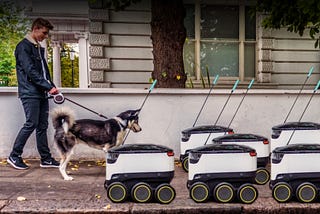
189	20
250	25
221	58
249	60
188	57
219	21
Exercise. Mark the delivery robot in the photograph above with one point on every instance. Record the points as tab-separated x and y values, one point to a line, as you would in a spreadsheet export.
141	172
222	172
257	142
295	173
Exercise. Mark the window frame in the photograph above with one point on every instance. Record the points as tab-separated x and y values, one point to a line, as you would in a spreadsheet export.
241	39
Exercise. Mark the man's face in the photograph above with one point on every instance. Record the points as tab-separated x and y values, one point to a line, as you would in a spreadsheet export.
39	34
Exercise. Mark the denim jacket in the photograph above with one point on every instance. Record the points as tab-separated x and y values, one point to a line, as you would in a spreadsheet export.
31	77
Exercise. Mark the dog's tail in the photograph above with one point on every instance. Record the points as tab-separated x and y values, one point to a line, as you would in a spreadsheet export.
62	117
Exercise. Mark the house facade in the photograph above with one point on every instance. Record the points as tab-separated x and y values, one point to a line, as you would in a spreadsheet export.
116	61
115	48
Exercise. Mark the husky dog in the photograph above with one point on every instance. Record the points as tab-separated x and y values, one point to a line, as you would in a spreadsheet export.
94	133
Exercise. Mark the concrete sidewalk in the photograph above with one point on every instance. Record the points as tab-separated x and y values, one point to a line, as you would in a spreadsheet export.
39	190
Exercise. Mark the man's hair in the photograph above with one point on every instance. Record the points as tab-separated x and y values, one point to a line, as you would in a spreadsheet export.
40	22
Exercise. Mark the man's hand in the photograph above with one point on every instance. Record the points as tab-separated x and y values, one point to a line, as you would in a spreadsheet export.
53	91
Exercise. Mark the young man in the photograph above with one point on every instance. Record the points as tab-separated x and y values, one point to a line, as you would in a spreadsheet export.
34	83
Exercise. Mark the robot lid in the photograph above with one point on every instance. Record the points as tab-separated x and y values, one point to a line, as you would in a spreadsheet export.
207	129
239	138
297	126
293	149
297	149
223	148
140	148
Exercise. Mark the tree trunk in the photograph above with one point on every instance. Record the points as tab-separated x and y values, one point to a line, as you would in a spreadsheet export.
168	35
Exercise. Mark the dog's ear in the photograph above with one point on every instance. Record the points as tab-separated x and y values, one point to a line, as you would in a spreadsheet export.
135	112
130	114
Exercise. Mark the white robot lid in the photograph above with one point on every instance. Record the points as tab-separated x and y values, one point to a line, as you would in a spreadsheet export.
297	126
222	148
239	138
206	129
297	149
140	148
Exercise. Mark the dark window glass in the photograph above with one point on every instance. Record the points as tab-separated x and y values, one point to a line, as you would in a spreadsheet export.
250	25
189	20
219	21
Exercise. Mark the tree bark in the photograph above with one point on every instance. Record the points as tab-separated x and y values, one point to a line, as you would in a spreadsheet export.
168	35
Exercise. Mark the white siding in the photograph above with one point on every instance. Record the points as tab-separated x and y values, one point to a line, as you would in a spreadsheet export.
283	33
296	56
131	40
131	65
295	67
298	44
130	50
127	76
130	16
292	75
127	28
290	80
292	57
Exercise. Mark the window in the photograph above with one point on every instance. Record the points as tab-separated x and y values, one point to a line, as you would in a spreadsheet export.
221	37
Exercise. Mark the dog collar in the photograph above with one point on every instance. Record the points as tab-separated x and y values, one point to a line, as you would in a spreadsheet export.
121	122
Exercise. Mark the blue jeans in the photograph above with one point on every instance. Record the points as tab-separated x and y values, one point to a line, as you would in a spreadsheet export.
36	112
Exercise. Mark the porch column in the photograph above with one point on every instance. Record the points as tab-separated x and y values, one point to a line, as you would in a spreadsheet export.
56	63
83	59
44	44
